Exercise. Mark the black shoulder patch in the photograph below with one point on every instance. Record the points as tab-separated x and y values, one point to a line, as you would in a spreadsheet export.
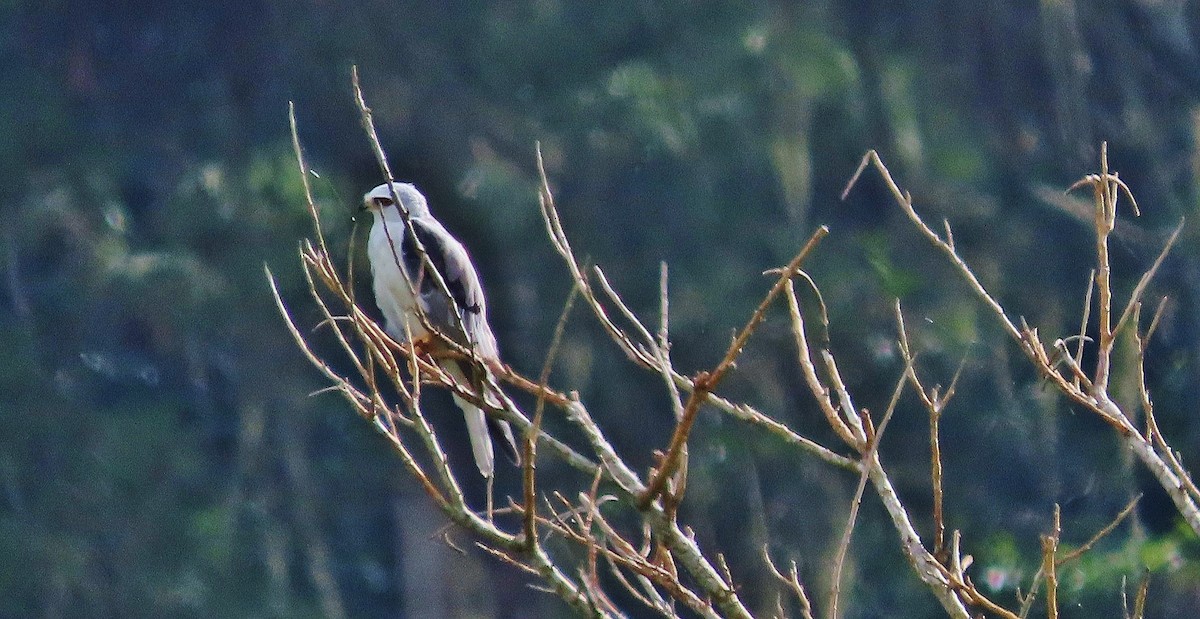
435	248
436	251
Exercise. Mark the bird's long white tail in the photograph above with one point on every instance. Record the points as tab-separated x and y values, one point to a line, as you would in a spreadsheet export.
481	438
477	425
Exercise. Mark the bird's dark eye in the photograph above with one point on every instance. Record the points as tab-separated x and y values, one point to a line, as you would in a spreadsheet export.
383	202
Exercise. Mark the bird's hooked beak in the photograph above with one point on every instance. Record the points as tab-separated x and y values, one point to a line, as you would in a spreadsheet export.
375	204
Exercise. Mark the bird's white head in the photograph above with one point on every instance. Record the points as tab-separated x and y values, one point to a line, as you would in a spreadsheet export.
381	201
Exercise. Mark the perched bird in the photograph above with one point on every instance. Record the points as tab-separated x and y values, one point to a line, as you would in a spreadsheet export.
393	255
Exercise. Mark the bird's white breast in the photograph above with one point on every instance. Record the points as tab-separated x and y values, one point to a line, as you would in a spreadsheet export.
392	292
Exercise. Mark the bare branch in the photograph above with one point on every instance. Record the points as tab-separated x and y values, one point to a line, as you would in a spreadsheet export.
308	197
818	389
791	581
869	460
1049	563
645	547
1139	601
1151	451
1140	289
706	382
1101	534
529	465
947	248
1083	322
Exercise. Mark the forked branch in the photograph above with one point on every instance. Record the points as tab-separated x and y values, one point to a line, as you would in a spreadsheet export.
1091	392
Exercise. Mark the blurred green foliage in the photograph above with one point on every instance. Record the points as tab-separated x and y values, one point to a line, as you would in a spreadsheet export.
159	453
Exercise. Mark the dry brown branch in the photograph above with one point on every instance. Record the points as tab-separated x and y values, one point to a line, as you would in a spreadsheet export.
1083	323
1135	298
935	404
1039	576
946	246
935	478
662	351
529	465
1101	534
822	394
638	353
1139	600
954	568
312	206
632	529
792	582
868	459
928	569
558	239
745	412
1152	451
664	344
931	572
1153	434
706	382
1105	221
1049	564
681	547
613	547
646	595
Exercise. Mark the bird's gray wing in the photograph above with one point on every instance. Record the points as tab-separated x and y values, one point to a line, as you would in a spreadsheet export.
450	258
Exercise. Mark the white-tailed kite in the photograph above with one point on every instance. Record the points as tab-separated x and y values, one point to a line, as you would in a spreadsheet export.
399	270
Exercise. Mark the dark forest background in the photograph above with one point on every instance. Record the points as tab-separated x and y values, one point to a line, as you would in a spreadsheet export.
160	454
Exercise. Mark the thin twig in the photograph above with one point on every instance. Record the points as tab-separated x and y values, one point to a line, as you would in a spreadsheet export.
1108	528
1083	322
662	351
312	207
1139	601
1049	563
529	465
818	389
705	382
791	581
905	202
1036	583
1136	296
869	459
1149	450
